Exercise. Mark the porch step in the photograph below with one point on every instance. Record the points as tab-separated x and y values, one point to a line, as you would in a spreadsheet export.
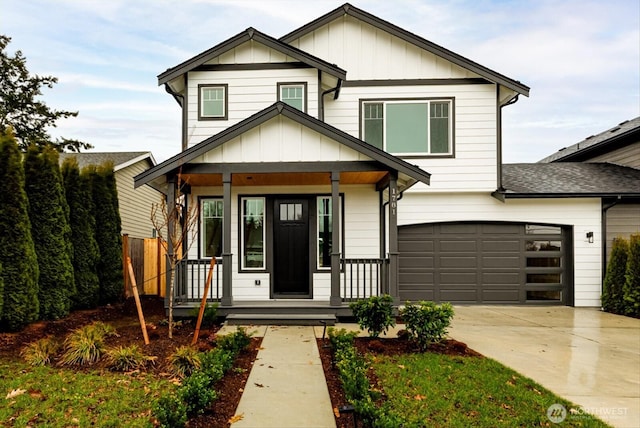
280	319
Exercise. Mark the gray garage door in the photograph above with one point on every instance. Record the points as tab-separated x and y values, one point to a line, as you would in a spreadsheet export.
484	263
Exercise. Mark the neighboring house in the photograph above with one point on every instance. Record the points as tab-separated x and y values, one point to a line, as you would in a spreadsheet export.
619	145
135	204
351	157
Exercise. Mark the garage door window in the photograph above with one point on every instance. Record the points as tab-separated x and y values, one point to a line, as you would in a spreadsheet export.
543	263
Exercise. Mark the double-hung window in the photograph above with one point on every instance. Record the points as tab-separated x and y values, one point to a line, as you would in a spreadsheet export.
212	102
253	233
409	127
212	210
294	94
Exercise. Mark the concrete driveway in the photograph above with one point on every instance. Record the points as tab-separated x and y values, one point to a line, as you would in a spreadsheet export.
582	354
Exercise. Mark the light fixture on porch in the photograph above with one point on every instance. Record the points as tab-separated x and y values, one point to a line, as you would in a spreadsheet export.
590	237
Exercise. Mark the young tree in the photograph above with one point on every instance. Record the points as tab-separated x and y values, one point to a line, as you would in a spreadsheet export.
107	215
49	215
176	222
632	284
612	290
20	108
17	253
86	253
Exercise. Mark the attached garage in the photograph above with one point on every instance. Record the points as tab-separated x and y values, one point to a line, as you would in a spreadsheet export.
485	262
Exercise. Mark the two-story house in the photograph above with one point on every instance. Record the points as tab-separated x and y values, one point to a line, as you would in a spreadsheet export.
351	157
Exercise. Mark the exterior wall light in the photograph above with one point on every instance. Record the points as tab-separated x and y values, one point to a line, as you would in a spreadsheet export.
590	237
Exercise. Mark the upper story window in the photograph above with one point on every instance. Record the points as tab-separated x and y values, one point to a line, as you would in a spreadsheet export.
212	102
294	94
409	127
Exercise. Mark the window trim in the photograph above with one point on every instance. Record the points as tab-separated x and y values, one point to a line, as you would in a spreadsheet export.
428	100
225	88
241	247
201	231
304	92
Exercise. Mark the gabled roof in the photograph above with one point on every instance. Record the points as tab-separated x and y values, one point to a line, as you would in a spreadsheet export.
120	160
280	108
243	37
624	133
348	9
569	179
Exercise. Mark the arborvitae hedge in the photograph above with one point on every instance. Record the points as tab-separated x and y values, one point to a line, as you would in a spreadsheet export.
612	290
17	253
632	284
107	215
86	253
49	215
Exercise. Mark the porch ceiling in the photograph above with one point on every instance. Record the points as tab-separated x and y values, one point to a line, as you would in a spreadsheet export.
285	179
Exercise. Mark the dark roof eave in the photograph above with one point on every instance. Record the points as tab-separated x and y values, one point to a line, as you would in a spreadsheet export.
245	36
414	39
517	195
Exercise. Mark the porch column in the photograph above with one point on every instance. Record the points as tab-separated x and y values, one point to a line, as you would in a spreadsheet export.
393	238
171	206
335	299
227	295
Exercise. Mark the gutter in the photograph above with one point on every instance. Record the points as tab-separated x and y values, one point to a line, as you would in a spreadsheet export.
499	135
327	92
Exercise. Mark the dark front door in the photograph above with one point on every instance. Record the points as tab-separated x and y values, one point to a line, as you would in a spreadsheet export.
291	248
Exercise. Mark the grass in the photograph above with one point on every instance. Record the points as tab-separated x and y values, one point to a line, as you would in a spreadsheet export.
439	390
55	397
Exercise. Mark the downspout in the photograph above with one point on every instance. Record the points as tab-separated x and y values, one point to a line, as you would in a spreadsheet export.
499	134
180	98
323	93
603	226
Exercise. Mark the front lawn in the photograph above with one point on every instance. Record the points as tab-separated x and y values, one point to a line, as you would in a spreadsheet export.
436	390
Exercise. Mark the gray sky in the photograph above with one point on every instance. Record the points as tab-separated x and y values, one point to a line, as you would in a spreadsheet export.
581	59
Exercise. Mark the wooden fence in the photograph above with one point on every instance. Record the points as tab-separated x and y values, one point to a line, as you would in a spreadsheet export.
148	257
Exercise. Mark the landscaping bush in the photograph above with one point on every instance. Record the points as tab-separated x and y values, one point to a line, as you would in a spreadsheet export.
86	253
184	361
210	314
196	392
374	314
341	338
86	344
614	280
427	322
170	411
127	358
49	216
234	342
631	289
40	352
215	363
20	272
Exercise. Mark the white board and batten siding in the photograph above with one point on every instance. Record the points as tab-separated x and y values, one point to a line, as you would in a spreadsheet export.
583	214
280	140
135	204
361	234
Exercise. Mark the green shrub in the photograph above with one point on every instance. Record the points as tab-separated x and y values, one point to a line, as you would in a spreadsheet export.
209	316
234	342
374	314
170	411
40	352
127	358
215	363
196	393
427	322
184	361
632	284
352	369
86	344
341	338
614	280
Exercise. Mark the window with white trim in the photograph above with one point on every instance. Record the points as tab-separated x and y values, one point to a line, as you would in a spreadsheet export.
212	103
293	94
409	127
253	233
211	210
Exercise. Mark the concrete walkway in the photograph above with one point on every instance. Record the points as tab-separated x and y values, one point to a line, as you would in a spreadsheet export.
286	386
587	356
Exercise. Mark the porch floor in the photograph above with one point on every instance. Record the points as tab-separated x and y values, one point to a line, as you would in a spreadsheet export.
276	309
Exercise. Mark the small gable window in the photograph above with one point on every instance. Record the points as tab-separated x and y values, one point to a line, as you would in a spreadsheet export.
294	94
409	127
212	102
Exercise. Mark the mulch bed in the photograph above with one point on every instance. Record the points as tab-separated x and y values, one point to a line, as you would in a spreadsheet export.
124	318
